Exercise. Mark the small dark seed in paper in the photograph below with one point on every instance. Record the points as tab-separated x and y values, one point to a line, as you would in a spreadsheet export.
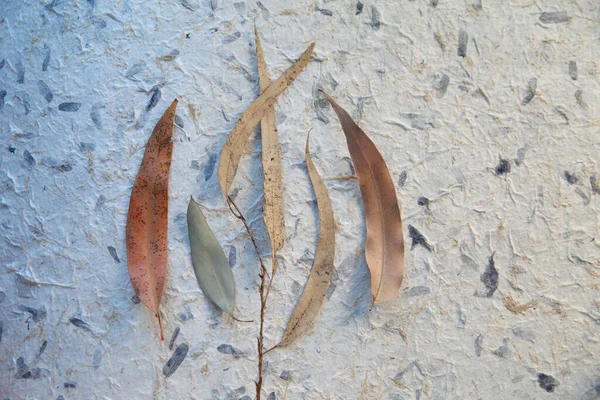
20	72
189	5
45	91
175	360
86	147
463	41
530	92
490	277
478	345
46	61
375	19
573	70
359	8
442	85
231	38
174	338
325	12
571	178
423	201
265	12
2	96
95	115
154	99
210	167
547	382
42	349
554	17
134	70
36	314
418	291
286	375
418	238
503	167
232	256
186	316
402	179
79	323
69	107
113	253
178	121
229	350
28	158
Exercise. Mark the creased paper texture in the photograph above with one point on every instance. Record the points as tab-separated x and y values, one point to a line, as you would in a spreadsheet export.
486	113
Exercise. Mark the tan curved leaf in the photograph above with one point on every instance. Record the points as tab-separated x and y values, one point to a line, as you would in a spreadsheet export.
312	298
384	248
234	146
271	161
147	220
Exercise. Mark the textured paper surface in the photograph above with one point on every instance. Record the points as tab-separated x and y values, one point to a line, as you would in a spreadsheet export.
485	111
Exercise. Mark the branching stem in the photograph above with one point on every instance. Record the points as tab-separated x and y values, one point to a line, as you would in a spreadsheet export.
263	295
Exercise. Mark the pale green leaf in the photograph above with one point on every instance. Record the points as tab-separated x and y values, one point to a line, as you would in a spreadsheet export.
210	263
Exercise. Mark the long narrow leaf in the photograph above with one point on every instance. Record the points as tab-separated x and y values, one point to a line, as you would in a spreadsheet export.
271	161
318	283
211	266
384	248
234	146
147	220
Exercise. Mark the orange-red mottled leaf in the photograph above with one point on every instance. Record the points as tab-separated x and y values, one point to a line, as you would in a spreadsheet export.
147	220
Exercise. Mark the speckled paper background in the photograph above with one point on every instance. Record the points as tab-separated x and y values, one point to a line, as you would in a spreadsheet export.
486	112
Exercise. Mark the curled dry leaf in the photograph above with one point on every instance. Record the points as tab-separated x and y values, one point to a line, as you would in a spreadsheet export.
211	266
234	147
384	248
147	220
318	283
271	160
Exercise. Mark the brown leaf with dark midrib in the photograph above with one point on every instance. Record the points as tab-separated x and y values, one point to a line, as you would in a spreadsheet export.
318	283
147	220
271	161
384	248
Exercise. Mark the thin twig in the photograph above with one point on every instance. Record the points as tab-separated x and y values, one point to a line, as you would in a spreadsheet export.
272	348
241	320
238	214
263	298
274	269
